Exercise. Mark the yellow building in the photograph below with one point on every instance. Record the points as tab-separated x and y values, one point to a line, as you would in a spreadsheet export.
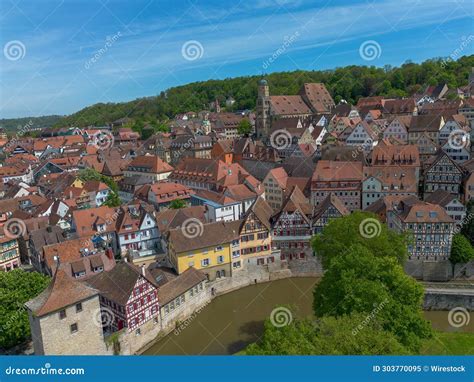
208	247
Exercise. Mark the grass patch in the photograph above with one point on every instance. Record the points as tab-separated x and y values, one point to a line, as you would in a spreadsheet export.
449	343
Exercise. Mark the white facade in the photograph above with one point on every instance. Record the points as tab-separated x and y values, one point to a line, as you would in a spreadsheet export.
397	130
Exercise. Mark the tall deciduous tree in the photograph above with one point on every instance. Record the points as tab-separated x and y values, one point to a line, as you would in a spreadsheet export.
359	228
375	285
461	250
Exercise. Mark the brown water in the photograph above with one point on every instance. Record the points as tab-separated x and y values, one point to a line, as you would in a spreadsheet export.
234	320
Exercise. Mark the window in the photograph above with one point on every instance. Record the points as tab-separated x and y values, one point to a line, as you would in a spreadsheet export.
138	332
219	248
62	314
220	259
205	262
78	307
74	328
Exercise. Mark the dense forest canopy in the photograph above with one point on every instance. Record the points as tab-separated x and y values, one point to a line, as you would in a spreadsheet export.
348	83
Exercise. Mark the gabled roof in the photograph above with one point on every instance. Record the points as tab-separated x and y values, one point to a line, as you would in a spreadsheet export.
330	200
386	153
417	211
151	162
436	158
62	291
179	285
210	234
318	97
441	197
398	106
171	218
85	220
262	211
289	105
333	171
420	123
118	283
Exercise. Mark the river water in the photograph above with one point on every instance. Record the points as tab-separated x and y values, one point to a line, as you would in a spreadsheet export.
234	320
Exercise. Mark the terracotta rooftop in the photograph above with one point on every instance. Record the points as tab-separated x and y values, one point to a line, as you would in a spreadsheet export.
62	291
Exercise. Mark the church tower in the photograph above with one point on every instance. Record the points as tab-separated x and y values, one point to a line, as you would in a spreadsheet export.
262	121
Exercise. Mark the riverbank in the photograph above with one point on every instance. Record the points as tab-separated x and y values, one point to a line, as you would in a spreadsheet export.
234	320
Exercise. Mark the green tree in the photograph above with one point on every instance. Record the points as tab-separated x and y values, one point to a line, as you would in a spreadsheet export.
112	200
327	336
359	228
91	174
359	282
468	227
461	250
16	288
177	204
245	127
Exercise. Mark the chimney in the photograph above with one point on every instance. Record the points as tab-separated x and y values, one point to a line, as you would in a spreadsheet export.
109	253
143	269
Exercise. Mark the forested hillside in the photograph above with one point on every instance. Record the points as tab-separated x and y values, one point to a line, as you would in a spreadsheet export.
13	124
349	83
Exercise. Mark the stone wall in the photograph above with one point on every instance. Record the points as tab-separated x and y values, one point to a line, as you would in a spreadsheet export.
464	270
309	267
429	270
55	337
131	343
447	300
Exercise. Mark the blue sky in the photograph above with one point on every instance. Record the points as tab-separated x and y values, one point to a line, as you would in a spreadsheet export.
74	53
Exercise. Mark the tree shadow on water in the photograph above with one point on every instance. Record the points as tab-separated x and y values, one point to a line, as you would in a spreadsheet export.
250	332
